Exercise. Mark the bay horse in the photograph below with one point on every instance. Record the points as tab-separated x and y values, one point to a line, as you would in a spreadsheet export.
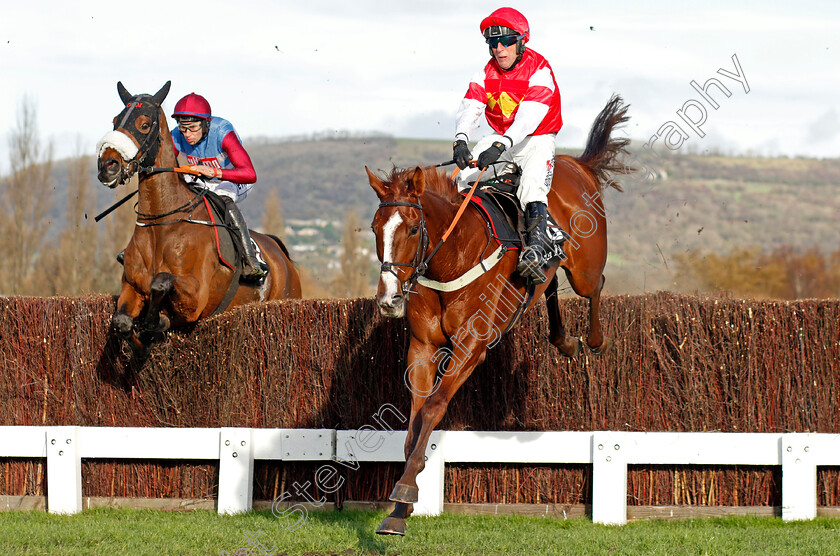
172	272
458	300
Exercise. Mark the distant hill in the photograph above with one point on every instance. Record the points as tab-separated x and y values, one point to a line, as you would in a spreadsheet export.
702	202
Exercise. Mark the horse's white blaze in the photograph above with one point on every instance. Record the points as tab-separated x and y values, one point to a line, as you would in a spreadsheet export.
392	284
118	141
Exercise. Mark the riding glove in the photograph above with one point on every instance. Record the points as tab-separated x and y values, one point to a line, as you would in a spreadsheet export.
461	153
491	155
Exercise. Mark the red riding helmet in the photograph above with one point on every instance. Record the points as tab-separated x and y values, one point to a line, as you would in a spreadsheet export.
505	21
192	105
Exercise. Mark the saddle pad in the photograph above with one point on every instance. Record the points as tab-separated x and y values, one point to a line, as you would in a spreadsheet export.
501	226
491	205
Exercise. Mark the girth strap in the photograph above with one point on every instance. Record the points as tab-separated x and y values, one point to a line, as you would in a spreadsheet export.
466	278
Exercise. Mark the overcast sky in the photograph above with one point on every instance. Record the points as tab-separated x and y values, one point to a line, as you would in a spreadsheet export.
277	68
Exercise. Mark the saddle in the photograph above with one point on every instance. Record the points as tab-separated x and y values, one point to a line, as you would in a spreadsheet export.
228	246
497	201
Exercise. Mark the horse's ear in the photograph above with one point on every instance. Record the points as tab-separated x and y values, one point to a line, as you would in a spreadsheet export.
417	184
125	96
377	184
160	95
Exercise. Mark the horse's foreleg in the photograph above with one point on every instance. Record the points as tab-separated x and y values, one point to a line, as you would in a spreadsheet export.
162	284
394	524
567	345
419	378
458	366
129	306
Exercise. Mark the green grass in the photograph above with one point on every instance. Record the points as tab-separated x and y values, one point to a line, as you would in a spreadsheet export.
115	532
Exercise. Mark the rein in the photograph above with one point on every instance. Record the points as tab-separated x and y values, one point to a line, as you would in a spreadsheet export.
147	170
186	207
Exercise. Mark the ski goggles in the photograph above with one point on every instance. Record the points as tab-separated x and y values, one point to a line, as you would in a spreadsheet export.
507	40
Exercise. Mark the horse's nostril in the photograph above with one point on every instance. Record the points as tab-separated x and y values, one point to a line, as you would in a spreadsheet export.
109	167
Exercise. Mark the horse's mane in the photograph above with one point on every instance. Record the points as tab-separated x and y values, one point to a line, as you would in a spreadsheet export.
437	182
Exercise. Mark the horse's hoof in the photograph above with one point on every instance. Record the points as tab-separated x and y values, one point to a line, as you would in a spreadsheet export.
122	324
570	347
605	347
404	493
151	337
392	526
163	323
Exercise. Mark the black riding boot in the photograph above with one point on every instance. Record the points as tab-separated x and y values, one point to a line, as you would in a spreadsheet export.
251	269
536	251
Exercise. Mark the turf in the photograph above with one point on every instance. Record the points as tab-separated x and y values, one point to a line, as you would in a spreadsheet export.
352	532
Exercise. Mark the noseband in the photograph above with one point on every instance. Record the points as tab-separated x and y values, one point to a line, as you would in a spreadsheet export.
418	265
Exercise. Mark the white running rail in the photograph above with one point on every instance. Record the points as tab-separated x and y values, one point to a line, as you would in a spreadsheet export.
608	452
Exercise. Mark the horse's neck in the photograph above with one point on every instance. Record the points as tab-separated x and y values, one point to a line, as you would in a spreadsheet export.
164	191
465	244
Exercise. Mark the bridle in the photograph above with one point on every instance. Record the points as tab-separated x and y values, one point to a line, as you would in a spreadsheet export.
147	152
419	265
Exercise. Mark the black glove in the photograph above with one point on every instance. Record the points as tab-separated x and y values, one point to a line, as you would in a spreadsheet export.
491	155
461	153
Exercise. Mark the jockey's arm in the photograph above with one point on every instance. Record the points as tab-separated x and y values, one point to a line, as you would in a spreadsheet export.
243	169
528	117
471	108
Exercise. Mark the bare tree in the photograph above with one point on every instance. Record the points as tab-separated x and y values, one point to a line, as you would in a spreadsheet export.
81	265
272	216
119	226
25	202
352	280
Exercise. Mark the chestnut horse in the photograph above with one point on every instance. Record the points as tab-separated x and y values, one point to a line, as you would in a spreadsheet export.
172	274
453	321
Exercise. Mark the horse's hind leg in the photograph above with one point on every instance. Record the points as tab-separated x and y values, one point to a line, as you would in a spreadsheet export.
568	346
591	289
596	341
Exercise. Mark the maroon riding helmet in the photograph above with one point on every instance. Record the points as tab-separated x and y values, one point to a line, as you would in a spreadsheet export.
193	108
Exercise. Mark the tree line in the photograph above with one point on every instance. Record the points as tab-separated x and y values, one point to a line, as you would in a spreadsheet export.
782	273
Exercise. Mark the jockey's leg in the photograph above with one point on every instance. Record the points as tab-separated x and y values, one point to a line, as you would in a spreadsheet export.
535	156
252	269
232	193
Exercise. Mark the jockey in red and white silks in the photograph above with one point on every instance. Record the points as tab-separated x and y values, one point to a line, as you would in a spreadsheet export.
522	106
517	93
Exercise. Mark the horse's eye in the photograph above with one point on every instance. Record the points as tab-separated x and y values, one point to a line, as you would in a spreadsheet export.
413	230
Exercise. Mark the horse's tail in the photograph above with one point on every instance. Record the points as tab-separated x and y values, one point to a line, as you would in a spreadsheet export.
282	246
602	152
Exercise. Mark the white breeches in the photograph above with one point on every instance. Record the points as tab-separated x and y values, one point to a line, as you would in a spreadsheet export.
236	191
534	155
